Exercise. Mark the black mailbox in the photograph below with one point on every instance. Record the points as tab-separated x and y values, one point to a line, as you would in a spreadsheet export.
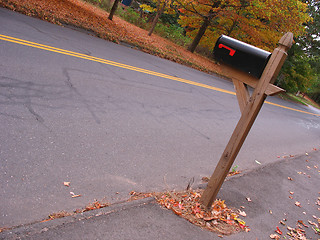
241	55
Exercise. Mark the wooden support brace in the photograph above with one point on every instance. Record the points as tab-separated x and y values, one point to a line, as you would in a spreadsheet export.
243	95
247	119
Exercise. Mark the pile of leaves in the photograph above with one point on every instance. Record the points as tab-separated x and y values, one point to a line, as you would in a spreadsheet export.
95	20
219	218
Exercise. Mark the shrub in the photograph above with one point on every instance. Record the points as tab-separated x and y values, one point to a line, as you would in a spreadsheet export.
131	16
173	33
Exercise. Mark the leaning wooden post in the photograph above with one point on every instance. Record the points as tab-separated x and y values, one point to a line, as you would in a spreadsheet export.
248	116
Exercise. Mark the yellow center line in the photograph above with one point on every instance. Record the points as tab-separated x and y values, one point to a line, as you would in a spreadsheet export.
108	62
124	66
292	109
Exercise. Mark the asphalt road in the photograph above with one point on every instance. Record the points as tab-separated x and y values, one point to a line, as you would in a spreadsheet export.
109	129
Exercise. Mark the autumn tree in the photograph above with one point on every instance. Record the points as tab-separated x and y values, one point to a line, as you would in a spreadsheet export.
198	15
258	22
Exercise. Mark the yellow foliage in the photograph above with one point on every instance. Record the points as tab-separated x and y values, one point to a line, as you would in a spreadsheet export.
147	8
260	22
168	9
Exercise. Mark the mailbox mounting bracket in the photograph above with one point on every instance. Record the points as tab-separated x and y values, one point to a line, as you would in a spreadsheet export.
241	80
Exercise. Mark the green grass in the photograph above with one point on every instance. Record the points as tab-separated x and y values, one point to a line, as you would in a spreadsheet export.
298	99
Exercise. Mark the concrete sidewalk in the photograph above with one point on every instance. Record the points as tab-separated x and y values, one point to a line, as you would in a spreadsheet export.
275	191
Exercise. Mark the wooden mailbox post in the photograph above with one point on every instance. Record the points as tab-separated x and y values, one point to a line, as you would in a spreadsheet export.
250	107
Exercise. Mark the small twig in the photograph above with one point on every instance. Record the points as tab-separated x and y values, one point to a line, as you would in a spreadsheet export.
191	181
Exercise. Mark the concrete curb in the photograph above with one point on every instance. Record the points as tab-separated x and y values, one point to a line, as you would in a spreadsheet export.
39	227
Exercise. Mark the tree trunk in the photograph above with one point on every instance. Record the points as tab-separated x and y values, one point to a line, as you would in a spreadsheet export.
113	9
155	20
199	35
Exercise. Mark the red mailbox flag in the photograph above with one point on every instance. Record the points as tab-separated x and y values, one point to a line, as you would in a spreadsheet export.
232	51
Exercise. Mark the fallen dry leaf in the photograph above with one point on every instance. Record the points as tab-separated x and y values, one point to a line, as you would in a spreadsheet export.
290	228
205	179
132	193
297	204
242	213
210	218
313	223
67	184
274	236
232	173
77	195
278	231
74	195
302	223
